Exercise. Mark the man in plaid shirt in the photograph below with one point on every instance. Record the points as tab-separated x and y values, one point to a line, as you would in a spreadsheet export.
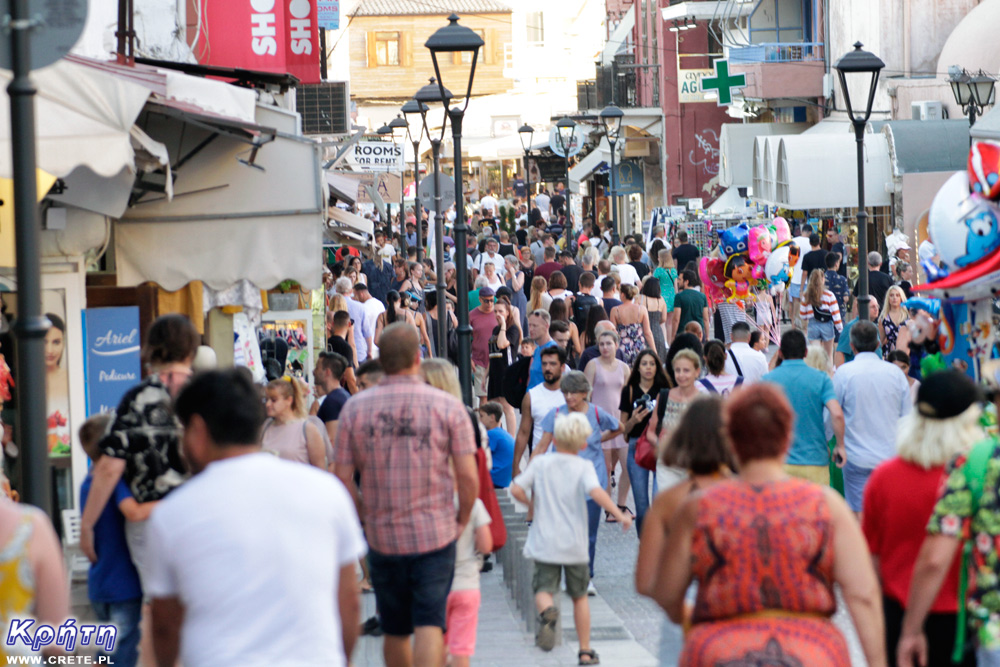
401	436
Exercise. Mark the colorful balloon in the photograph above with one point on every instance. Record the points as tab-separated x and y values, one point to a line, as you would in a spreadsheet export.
713	278
733	241
984	169
778	270
760	245
964	227
783	233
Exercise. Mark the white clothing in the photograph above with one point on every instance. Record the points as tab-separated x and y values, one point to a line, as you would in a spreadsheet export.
926	251
543	401
803	243
559	485
488	202
363	329
253	547
496	259
752	362
542	202
627	272
723	384
496	284
467	561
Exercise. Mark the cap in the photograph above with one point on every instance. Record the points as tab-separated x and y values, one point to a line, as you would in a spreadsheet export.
947	394
486	291
505	291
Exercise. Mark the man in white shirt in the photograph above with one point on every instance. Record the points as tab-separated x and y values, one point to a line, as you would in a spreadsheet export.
488	203
659	232
491	255
364	331
252	560
372	308
542	202
619	263
743	360
796	288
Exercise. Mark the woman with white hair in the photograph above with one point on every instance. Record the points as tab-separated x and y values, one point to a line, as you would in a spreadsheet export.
901	495
619	263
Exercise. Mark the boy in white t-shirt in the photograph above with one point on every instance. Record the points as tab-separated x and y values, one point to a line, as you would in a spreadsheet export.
462	610
559	484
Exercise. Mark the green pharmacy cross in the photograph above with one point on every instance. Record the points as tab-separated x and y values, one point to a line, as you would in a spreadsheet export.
723	82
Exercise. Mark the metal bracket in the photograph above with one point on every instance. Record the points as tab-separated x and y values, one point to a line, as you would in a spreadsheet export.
8	24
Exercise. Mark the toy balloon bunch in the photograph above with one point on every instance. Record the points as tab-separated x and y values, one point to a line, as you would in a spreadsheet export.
749	260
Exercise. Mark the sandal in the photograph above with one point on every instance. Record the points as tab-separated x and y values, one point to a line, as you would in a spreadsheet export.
626	510
610	518
545	638
591	657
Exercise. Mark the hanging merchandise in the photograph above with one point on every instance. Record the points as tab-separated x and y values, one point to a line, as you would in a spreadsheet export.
246	349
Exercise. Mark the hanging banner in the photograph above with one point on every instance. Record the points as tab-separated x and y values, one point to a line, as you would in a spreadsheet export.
112	363
629	178
267	35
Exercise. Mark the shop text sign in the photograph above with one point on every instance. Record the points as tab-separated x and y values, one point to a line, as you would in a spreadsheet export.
689	85
378	156
270	35
112	360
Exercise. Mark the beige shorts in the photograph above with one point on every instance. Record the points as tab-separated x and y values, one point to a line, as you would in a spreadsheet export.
479	374
815	474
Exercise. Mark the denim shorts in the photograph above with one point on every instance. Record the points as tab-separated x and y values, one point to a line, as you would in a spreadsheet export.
821	330
793	290
855	480
412	590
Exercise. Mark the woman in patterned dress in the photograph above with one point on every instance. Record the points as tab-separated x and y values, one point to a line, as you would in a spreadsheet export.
632	322
766	550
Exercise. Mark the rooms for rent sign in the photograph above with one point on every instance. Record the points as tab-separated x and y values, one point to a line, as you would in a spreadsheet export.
378	156
269	35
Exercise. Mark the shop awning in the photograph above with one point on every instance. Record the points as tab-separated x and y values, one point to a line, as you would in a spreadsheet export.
820	171
920	146
237	213
988	126
597	160
736	144
341	186
82	119
729	201
354	222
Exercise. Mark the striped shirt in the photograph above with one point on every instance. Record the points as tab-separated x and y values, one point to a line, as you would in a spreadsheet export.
400	435
829	304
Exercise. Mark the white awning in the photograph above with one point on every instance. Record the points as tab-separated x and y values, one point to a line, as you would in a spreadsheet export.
590	163
343	186
707	11
355	222
820	171
230	220
82	118
728	202
736	143
765	157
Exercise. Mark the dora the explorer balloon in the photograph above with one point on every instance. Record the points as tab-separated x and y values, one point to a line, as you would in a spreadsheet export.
738	276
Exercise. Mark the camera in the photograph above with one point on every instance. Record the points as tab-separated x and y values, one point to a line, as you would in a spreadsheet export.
644	402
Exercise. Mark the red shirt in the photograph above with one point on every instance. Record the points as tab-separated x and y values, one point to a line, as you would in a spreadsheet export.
547	269
899	499
482	325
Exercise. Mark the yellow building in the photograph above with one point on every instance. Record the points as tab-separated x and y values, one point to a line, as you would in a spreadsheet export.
388	58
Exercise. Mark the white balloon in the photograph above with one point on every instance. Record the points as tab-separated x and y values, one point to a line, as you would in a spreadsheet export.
964	227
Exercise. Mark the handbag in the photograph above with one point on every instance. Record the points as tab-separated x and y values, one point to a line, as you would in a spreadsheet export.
645	451
487	494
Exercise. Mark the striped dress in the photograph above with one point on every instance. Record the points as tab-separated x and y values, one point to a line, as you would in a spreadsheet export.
829	304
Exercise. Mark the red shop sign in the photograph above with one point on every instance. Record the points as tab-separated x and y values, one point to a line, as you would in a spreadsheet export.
267	35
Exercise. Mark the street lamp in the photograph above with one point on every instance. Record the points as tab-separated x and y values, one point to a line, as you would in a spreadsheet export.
456	39
565	129
412	107
526	132
612	117
386	131
860	63
972	92
430	94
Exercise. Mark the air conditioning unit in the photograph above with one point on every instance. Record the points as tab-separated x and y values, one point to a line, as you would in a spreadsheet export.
325	107
927	110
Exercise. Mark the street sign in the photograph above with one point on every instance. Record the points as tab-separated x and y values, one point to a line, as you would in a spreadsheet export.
629	179
328	14
378	156
427	191
575	144
60	26
724	82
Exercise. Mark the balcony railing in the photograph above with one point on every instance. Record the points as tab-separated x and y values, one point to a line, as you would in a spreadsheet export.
777	52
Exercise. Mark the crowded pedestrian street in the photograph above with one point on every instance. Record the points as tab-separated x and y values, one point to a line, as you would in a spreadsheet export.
440	333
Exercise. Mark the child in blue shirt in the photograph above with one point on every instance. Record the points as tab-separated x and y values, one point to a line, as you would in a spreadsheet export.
112	582
501	444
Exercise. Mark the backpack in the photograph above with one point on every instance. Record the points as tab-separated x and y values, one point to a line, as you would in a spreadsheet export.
581	309
515	381
974	471
711	388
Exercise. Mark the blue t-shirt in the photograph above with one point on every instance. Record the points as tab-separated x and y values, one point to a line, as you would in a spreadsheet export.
535	373
113	577
844	344
601	422
502	448
808	390
329	411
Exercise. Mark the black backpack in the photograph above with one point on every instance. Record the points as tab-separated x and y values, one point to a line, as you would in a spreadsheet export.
515	381
581	309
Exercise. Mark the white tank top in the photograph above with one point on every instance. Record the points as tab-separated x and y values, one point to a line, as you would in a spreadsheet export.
542	402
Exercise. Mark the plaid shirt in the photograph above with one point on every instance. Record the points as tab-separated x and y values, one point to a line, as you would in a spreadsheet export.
400	435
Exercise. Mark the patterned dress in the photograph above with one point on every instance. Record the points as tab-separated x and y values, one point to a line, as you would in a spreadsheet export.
763	560
891	333
633	341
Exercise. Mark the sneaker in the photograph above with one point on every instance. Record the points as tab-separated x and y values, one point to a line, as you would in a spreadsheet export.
371	627
591	591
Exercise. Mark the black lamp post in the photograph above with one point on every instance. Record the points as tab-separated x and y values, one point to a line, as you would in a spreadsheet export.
448	40
565	129
399	127
386	131
860	63
612	117
426	96
526	132
412	107
972	92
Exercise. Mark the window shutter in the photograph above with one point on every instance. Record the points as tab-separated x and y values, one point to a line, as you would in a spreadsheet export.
406	49
372	57
489	48
456	58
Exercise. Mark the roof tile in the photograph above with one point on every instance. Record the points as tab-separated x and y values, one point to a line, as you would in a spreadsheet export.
429	7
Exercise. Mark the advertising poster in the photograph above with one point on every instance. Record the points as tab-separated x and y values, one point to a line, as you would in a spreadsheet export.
112	361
